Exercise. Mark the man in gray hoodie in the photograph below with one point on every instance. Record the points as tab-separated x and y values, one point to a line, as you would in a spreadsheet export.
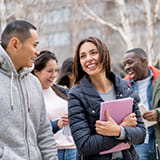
25	131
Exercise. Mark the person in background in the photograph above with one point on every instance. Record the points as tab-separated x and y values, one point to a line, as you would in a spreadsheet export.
144	80
96	83
65	77
25	131
56	102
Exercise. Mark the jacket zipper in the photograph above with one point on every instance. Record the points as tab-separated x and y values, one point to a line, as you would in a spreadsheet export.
25	120
26	133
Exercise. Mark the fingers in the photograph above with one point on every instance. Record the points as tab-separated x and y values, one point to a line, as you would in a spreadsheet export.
65	116
65	120
130	120
151	115
150	118
109	117
132	115
98	122
60	124
99	127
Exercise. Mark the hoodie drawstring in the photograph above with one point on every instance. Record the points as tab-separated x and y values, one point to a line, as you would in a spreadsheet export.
28	96
11	92
11	86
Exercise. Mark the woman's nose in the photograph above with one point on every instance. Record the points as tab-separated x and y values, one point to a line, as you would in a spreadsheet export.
54	74
89	57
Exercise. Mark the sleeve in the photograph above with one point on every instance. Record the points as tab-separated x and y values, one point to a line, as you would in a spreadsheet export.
55	127
86	140
45	138
158	112
155	97
122	134
136	135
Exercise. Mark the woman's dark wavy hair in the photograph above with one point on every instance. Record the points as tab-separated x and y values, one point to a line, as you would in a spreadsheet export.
104	58
43	58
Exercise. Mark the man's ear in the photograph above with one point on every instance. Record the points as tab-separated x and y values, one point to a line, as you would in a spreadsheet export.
144	61
14	44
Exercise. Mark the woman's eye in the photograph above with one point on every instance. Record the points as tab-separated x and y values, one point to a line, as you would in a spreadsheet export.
82	56
94	52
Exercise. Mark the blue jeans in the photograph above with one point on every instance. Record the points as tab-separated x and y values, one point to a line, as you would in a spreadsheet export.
144	152
67	154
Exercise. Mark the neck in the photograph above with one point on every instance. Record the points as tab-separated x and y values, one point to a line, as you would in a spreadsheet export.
14	59
71	83
146	74
101	83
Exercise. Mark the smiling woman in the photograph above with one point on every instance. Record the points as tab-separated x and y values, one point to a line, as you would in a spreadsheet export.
94	84
56	103
89	57
46	68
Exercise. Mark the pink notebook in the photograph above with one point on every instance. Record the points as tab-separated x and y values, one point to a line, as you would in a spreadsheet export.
118	109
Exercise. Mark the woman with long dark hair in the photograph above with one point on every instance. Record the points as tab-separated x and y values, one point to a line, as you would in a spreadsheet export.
96	83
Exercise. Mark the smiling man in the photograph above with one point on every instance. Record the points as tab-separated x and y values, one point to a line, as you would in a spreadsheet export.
25	132
145	81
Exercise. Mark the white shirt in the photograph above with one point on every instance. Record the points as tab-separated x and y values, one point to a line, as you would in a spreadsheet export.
56	107
142	92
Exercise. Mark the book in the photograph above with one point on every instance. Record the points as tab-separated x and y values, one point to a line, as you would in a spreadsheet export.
118	109
143	109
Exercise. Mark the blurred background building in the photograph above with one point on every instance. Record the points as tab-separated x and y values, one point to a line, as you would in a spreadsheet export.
122	24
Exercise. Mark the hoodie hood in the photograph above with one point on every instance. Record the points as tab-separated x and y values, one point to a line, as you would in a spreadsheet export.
8	68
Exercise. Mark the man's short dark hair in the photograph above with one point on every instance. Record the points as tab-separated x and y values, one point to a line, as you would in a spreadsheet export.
16	28
139	51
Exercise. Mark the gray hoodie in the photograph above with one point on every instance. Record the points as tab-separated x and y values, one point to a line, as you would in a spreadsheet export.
25	131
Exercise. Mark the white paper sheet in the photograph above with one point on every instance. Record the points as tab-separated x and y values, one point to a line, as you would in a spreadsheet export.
143	109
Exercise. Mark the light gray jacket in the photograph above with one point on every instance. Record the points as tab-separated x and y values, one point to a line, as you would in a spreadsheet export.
25	131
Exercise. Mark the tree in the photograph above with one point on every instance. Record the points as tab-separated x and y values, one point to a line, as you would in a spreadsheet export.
23	9
128	19
122	24
2	13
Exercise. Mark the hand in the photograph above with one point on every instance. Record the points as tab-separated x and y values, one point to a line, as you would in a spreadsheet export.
129	121
108	128
63	121
151	115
